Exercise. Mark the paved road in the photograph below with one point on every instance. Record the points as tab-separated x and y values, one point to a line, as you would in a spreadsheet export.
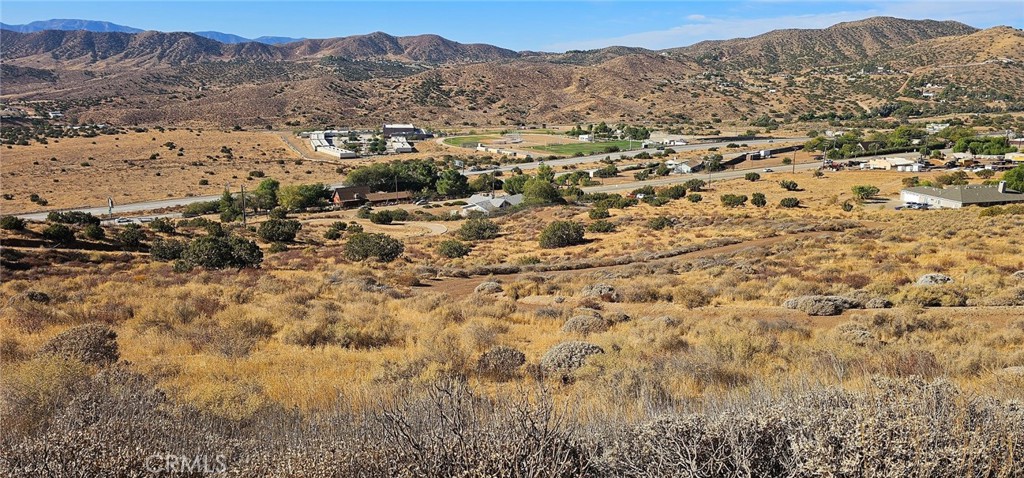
128	209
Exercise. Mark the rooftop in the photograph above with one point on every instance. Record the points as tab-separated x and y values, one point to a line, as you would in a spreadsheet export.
974	194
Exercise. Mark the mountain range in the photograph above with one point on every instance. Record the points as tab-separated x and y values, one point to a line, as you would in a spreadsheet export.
99	26
851	68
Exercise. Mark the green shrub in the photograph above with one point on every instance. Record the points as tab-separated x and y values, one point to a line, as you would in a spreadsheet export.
382	217
789	202
694	198
453	249
673	192
218	252
72	217
332	234
864	192
561	234
660	222
733	200
599	213
752	177
758	200
94	232
166	250
694	185
363	246
278	213
789	185
131	236
601	226
202	207
12	223
847	206
162	224
59	233
477	229
279	230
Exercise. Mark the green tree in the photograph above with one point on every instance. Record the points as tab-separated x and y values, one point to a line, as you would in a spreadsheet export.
301	196
515	184
162	224
382	247
985	173
1015	178
452	183
545	173
478	229
752	177
279	230
601	226
219	252
659	222
485	182
694	185
538	191
599	213
382	217
561	234
265	195
673	192
694	198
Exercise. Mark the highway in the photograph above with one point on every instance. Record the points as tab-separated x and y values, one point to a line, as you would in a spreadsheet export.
132	208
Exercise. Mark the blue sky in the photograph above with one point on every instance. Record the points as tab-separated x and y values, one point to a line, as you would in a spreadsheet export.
529	25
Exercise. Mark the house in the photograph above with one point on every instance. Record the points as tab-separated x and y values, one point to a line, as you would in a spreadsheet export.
406	130
55	114
890	163
959	196
691	166
487	204
388	198
349	196
586	138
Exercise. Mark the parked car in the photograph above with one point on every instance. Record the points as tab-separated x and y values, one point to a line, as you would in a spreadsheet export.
421	202
122	220
769	170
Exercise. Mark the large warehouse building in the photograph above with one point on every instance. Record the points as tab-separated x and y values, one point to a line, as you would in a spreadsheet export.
959	196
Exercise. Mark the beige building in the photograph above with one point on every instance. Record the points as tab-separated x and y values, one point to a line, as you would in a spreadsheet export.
956	197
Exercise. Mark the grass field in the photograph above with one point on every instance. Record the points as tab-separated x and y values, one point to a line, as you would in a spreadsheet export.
587	148
466	140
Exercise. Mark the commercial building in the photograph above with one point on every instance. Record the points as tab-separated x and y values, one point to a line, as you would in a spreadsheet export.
406	130
956	197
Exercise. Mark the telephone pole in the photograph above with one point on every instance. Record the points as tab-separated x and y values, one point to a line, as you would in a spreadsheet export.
243	204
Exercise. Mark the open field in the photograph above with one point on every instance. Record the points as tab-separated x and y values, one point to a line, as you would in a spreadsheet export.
465	140
587	148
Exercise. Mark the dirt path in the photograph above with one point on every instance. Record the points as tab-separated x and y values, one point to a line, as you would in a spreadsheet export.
458	287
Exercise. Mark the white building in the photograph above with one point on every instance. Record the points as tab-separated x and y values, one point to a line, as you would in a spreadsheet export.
487	204
956	197
586	138
398	144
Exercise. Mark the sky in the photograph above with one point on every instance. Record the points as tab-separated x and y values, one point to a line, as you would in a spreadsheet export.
526	25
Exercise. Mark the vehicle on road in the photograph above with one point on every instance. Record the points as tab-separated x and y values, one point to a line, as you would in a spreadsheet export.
422	202
122	220
769	170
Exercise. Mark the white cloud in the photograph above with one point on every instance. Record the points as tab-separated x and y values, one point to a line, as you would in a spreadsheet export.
981	14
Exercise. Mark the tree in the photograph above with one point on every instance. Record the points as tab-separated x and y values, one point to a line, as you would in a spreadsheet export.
301	196
515	184
694	185
453	249
72	217
538	191
546	173
599	213
452	183
752	177
478	229
694	198
265	195
162	224
485	182
12	223
279	230
59	233
1015	178
382	247
758	200
985	173
131	236
789	185
601	226
733	200
561	234
789	202
864	192
659	222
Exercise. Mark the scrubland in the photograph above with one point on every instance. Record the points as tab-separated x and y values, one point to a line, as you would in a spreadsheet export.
642	352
